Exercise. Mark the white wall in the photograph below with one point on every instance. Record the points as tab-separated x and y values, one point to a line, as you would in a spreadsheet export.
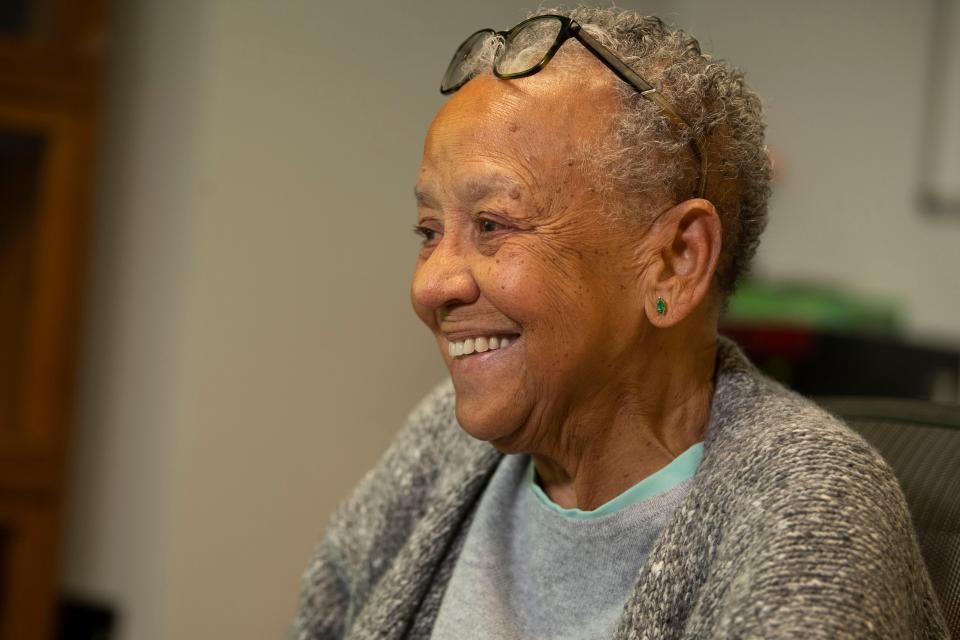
117	540
249	344
844	84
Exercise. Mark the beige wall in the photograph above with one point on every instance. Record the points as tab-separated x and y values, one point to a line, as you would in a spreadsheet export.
844	86
117	543
249	343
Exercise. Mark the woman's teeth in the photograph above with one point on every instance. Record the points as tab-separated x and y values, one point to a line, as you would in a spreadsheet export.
476	345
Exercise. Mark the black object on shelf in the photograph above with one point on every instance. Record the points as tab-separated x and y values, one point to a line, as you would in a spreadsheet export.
84	620
836	364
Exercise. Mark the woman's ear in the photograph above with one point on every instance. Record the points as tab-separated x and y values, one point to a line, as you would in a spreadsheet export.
689	238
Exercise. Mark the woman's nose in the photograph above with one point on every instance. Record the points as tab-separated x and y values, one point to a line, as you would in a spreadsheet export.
444	279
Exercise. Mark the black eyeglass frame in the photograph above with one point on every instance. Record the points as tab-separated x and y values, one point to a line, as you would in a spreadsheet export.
569	28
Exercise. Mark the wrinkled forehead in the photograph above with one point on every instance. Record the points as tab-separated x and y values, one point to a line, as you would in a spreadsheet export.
539	124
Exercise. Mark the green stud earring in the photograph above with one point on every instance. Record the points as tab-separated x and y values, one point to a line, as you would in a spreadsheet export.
661	306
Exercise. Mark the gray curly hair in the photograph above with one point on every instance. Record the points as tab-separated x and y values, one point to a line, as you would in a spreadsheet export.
648	157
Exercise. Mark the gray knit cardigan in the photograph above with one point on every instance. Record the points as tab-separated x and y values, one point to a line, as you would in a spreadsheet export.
794	527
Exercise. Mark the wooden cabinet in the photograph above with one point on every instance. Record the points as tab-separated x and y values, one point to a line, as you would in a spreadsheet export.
51	56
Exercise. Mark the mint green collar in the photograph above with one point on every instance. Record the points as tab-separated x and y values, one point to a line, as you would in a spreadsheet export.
681	468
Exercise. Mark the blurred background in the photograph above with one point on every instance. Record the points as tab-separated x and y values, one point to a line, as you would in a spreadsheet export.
205	331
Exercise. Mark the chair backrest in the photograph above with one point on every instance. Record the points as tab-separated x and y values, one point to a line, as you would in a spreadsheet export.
921	442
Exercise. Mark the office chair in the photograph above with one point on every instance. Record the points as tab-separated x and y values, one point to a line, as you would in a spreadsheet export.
921	442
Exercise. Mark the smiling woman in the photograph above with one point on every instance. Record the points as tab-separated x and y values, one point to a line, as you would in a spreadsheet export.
516	243
601	464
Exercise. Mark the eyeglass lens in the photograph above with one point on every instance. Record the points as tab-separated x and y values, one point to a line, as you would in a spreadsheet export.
462	63
527	45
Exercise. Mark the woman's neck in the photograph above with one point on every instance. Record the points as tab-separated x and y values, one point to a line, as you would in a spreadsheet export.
631	430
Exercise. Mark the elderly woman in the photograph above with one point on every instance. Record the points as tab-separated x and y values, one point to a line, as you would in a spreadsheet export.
601	463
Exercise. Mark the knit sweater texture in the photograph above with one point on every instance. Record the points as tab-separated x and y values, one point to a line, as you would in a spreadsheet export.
793	527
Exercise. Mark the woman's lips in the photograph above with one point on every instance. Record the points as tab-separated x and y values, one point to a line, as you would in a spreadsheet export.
479	344
486	361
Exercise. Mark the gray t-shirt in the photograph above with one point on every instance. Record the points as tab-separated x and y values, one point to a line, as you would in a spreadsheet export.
532	569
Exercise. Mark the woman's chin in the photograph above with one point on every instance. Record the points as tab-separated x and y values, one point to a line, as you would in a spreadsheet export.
487	422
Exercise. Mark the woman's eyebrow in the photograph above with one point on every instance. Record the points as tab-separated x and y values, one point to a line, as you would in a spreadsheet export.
473	190
423	198
478	188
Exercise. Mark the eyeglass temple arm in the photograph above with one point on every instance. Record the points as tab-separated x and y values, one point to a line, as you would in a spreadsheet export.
631	77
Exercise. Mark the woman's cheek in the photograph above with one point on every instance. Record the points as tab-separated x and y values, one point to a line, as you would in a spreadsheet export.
513	283
544	300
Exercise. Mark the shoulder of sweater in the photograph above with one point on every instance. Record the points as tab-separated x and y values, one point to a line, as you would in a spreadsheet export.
429	456
429	441
803	520
770	443
432	438
751	411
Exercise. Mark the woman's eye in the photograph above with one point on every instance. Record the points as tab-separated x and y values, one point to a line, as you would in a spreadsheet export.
428	234
489	226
